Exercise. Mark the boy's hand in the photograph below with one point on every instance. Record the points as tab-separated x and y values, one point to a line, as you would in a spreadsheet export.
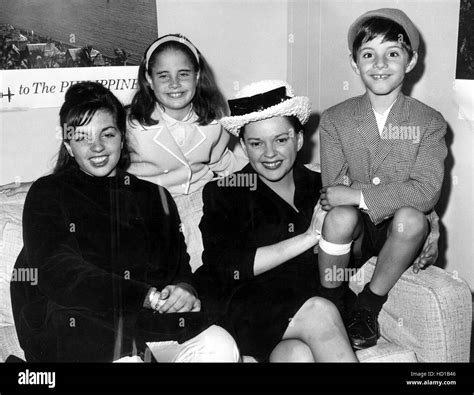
427	257
339	195
178	300
429	254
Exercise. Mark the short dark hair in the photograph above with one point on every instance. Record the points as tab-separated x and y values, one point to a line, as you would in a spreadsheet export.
387	29
294	122
81	102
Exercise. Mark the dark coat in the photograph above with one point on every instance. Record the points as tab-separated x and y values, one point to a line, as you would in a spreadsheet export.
236	222
98	245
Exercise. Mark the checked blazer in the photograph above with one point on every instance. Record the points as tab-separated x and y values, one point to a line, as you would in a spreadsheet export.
402	167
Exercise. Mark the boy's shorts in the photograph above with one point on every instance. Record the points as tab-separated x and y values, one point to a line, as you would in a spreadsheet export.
374	239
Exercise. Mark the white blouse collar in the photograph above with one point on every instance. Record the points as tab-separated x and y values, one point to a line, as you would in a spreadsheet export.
190	117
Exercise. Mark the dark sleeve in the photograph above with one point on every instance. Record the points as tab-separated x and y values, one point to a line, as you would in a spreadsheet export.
64	275
174	249
227	255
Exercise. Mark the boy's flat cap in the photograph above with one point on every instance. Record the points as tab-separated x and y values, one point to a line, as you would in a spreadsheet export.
393	14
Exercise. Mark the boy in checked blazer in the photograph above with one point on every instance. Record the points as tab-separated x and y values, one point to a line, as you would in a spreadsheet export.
382	164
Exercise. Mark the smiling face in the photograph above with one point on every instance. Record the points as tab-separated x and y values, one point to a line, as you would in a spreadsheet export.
382	67
173	80
271	146
96	147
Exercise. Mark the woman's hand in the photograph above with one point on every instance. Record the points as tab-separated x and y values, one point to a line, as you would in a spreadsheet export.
316	225
179	299
15	187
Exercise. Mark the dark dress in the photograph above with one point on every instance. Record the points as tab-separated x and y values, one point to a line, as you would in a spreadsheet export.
98	245
235	223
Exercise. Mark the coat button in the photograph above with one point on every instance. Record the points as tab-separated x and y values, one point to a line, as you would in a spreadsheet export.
376	181
166	171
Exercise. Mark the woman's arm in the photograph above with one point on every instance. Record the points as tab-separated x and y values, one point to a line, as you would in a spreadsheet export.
271	256
224	238
274	255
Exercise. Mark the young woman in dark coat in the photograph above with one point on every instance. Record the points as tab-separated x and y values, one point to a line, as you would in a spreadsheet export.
113	272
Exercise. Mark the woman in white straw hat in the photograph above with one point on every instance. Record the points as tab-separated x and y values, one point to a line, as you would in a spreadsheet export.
260	227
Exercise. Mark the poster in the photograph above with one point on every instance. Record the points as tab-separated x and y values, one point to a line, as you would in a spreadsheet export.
43	87
42	40
464	85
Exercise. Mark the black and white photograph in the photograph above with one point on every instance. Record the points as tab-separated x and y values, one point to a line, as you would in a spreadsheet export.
465	63
220	193
55	34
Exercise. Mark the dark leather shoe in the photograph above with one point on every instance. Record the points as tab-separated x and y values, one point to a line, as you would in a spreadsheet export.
363	329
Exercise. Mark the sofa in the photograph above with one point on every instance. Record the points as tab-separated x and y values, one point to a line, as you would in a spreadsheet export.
427	317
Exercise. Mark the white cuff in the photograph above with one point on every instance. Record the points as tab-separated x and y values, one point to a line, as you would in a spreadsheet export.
362	204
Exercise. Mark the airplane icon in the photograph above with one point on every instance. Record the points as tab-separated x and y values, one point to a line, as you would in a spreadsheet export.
9	95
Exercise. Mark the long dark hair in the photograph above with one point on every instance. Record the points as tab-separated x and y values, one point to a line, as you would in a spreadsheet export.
208	102
81	102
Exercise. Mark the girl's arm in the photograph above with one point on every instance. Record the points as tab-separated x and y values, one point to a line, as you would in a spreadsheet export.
179	294
223	161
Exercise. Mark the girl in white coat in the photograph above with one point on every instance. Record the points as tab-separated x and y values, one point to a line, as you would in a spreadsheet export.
173	133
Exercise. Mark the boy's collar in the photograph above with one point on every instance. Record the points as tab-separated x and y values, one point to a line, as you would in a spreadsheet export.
387	110
399	108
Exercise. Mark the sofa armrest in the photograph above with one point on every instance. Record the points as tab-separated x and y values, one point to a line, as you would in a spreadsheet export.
429	313
9	344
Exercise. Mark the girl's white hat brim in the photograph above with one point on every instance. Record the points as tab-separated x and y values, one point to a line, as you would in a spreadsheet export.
298	106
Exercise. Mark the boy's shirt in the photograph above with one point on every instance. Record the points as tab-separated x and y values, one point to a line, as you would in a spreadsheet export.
403	166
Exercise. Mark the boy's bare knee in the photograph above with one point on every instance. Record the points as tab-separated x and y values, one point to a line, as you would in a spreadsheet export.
409	223
340	221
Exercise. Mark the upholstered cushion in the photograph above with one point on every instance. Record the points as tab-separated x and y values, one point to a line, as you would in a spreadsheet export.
386	352
11	242
428	312
9	343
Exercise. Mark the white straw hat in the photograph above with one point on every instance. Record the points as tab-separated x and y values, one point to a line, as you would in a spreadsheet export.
263	100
